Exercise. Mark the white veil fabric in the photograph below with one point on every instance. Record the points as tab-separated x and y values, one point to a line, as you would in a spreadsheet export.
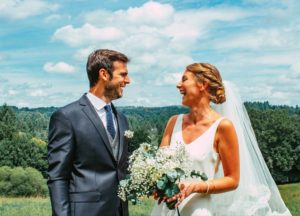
257	193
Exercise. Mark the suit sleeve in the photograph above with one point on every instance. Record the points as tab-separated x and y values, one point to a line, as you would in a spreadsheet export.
60	158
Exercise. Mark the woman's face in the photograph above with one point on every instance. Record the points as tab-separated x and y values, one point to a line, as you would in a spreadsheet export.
190	88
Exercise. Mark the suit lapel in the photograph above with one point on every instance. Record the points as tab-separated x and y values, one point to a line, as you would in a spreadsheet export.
94	118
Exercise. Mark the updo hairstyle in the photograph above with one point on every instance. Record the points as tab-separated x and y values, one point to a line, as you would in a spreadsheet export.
206	72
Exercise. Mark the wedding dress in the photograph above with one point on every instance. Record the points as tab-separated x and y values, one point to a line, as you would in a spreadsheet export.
257	193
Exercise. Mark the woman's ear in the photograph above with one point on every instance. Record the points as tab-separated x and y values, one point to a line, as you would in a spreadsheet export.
203	85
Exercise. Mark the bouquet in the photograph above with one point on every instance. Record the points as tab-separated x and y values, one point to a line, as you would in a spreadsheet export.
156	170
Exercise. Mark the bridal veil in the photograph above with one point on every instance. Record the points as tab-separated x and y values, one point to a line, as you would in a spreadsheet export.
257	193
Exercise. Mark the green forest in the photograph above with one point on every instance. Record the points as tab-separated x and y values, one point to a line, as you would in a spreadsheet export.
23	141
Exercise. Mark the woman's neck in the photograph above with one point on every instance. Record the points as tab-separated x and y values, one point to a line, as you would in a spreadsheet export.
201	112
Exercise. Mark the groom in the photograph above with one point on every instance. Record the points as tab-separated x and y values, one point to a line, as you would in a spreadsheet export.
87	150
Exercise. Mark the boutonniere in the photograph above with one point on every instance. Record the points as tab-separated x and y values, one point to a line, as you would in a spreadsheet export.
128	134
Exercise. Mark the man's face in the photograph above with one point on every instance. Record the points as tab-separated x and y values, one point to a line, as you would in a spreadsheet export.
114	87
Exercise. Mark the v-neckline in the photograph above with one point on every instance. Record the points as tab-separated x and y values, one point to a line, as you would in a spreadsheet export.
181	127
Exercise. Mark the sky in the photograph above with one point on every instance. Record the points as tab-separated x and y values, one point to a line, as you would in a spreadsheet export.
44	47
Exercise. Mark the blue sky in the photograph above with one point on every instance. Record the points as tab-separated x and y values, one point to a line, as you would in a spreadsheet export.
44	46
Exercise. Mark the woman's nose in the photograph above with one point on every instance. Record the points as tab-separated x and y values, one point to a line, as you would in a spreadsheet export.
178	85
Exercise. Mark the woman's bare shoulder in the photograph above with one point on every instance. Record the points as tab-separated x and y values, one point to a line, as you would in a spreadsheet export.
225	125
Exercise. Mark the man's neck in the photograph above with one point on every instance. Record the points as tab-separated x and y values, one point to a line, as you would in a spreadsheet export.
99	92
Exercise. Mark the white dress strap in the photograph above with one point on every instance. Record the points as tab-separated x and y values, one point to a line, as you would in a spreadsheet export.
176	134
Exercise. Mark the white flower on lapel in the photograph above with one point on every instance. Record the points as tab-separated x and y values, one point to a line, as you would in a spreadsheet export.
128	134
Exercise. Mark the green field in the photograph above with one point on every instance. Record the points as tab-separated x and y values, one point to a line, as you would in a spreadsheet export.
291	195
41	206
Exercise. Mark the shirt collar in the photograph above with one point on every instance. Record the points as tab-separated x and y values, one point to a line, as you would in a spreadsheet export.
98	103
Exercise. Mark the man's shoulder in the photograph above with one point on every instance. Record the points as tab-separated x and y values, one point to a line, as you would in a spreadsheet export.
68	109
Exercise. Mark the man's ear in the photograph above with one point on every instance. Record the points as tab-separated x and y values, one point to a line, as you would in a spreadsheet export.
103	75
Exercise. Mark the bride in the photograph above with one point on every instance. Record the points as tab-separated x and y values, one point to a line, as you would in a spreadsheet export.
221	143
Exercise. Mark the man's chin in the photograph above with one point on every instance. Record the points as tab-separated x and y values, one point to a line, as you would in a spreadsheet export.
120	94
117	96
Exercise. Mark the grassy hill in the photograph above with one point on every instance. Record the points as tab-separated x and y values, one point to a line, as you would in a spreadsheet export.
41	206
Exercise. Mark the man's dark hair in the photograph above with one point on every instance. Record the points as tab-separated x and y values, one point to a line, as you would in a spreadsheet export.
102	58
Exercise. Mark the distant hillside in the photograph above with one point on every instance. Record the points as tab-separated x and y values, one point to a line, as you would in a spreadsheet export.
277	129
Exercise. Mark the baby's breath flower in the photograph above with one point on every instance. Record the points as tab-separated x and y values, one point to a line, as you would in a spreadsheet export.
147	165
129	134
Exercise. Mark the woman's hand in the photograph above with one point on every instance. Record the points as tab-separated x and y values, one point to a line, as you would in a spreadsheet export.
186	189
159	198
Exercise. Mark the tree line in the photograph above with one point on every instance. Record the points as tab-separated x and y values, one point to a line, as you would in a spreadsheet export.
24	131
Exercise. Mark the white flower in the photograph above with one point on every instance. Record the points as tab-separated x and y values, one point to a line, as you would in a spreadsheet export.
147	165
128	134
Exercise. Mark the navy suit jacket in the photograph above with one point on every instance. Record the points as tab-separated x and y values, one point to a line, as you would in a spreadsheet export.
83	174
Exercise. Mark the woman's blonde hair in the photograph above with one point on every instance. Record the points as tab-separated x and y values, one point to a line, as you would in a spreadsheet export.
208	73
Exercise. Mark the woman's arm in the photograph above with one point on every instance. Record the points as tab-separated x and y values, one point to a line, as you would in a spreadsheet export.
228	149
166	139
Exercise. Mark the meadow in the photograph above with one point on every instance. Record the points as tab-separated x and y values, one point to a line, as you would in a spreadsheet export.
38	206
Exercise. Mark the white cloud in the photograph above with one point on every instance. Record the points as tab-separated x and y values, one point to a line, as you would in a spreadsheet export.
2	57
268	92
59	67
12	92
261	39
52	18
81	55
148	27
151	13
267	2
34	91
3	80
256	47
264	76
259	62
16	9
295	68
168	79
158	39
86	34
38	93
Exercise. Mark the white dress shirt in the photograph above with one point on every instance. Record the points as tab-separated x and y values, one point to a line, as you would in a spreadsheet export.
99	104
